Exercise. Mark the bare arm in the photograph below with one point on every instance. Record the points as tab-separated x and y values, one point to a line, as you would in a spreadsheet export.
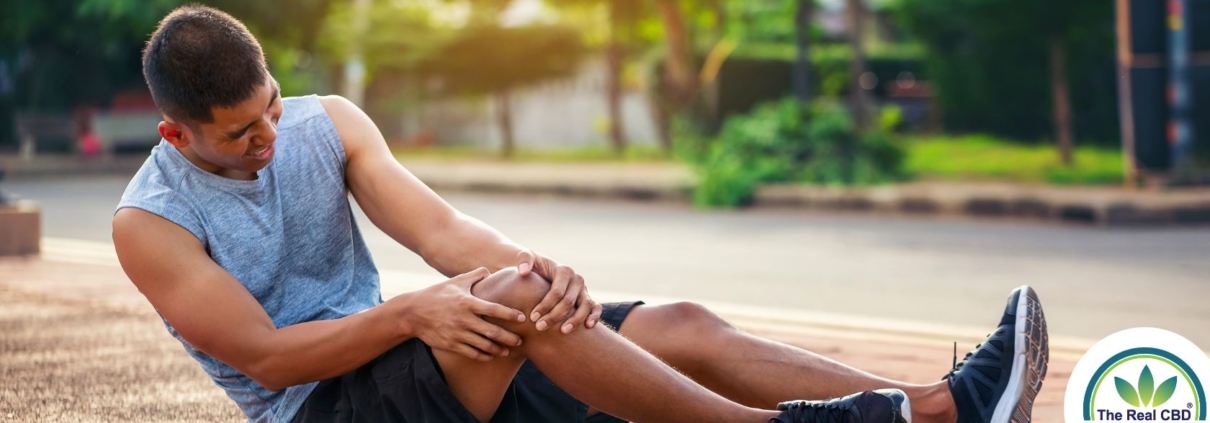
406	209
449	241
217	315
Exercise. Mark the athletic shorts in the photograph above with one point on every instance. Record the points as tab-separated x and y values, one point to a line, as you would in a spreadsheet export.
405	385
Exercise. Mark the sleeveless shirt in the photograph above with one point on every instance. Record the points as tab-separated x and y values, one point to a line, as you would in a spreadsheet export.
289	237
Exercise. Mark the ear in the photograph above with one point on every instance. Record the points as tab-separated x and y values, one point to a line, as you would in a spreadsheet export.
174	133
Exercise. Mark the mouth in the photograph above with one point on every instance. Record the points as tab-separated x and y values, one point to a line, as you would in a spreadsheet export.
263	153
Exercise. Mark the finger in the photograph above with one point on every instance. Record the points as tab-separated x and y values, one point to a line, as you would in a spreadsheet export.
468	279
558	287
545	267
471	352
486	308
563	306
526	260
595	316
496	334
583	309
485	345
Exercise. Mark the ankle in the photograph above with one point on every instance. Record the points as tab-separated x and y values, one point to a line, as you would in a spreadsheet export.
933	404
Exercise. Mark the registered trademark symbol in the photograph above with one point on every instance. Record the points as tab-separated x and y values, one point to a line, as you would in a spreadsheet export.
1189	405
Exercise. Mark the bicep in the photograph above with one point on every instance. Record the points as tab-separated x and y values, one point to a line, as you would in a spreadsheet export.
394	199
204	303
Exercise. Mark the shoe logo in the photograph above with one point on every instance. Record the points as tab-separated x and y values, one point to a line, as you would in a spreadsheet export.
1140	374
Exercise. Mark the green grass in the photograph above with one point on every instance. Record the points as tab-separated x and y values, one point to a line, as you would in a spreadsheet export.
981	157
633	154
966	158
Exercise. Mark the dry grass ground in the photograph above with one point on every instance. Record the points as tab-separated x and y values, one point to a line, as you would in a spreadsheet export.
78	344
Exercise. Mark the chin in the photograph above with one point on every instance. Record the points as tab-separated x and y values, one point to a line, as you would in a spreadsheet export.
256	167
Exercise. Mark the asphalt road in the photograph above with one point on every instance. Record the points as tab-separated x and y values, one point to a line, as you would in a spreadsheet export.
1093	281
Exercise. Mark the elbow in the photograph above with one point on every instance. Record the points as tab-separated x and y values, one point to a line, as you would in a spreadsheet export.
268	375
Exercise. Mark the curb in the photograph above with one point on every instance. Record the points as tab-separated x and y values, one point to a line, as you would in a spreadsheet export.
56	165
671	182
1091	205
634	181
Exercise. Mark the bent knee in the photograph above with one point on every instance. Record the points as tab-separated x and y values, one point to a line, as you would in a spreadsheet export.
509	288
692	317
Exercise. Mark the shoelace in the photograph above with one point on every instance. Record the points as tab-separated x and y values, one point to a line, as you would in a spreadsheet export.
827	412
958	366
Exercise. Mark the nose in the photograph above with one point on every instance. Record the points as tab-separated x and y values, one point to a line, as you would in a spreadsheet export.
267	134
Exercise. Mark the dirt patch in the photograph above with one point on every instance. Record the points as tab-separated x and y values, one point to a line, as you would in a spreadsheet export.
66	361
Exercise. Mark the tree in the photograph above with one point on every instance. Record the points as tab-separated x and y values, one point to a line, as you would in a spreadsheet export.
978	51
493	59
623	14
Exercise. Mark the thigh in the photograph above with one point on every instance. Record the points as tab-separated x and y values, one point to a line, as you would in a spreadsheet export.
406	384
483	388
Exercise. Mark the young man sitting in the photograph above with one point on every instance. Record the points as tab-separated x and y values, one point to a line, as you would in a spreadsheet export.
239	231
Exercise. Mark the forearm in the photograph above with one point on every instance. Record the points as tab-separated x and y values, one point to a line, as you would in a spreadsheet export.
318	350
466	244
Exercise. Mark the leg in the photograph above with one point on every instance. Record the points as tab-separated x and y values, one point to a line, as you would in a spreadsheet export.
642	389
753	371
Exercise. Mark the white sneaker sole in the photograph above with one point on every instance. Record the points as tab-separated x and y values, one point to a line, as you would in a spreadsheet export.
1031	352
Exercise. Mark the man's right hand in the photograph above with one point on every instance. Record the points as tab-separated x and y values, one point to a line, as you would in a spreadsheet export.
447	317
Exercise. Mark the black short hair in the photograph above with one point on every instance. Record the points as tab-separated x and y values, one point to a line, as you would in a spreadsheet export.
198	58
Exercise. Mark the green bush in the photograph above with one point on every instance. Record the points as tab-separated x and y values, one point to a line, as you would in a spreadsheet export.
785	141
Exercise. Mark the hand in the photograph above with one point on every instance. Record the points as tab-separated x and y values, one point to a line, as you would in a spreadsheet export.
567	302
447	317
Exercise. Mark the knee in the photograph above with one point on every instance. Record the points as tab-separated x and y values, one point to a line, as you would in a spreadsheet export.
693	319
509	288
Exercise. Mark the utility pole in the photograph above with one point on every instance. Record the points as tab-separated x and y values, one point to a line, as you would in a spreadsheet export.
1180	132
355	68
802	64
857	93
1125	62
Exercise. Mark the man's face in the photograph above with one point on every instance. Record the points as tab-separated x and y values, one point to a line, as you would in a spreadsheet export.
239	141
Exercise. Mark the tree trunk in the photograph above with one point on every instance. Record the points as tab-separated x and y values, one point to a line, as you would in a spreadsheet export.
857	95
1062	103
614	55
710	85
802	65
504	118
680	78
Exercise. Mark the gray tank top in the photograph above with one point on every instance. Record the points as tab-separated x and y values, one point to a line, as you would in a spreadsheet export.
289	237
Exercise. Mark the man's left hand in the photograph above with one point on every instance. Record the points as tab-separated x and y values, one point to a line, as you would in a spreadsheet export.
567	302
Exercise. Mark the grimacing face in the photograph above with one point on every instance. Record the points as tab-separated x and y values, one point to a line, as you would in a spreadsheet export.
239	140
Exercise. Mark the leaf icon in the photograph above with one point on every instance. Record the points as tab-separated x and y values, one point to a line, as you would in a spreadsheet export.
1164	392
1146	386
1126	391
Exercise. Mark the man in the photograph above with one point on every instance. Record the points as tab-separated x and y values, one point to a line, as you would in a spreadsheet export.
239	231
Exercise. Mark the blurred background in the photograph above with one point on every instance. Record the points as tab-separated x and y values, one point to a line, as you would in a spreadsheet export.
1069	93
910	147
862	177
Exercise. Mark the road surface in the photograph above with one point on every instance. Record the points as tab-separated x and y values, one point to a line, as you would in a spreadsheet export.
1093	281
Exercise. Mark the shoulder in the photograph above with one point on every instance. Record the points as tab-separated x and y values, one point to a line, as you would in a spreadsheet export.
345	115
357	132
157	183
137	229
156	191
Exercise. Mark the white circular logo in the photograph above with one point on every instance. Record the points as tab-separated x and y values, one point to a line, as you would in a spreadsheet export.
1140	374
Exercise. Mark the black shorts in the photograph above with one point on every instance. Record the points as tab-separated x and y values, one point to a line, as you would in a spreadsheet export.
406	385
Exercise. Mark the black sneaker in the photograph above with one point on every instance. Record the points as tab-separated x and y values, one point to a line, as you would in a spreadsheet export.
998	381
881	406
